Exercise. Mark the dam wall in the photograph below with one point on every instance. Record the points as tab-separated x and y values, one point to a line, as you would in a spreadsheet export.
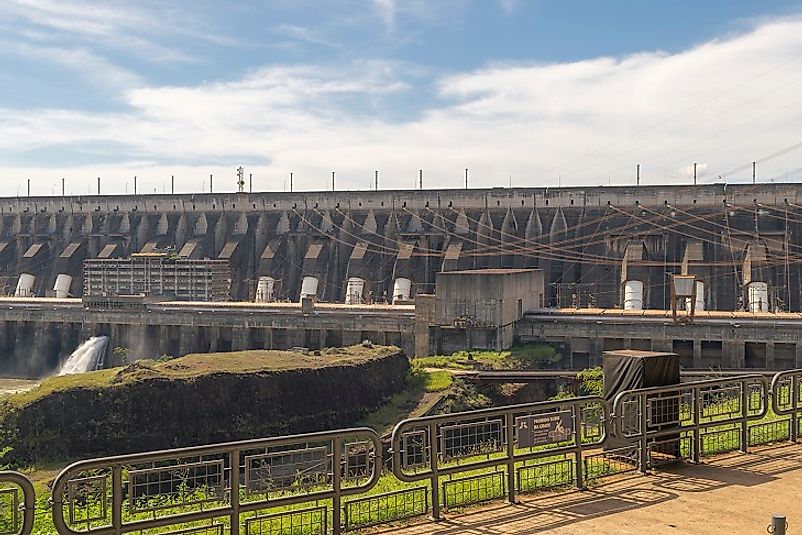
589	241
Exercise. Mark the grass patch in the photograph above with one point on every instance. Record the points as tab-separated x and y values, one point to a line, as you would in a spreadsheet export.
525	357
437	381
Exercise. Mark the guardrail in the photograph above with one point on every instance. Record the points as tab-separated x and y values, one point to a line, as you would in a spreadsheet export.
509	438
17	504
681	420
786	399
327	482
255	484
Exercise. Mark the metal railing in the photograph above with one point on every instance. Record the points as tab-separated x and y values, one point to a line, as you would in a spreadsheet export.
318	483
506	441
17	504
690	419
251	486
786	399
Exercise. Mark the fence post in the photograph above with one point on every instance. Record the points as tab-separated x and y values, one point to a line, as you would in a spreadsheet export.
696	403
745	416
793	433
576	411
778	524
234	481
117	499
433	460
644	442
510	423
336	463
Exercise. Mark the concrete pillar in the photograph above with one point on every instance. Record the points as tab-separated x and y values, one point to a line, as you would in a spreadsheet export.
697	353
733	354
770	355
214	338
187	340
321	333
239	339
268	338
662	344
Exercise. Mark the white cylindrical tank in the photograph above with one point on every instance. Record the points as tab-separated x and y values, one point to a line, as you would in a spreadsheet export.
62	286
354	289
264	289
758	297
402	289
25	285
309	287
633	295
700	298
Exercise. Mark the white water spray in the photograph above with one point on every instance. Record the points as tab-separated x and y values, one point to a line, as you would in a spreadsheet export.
88	356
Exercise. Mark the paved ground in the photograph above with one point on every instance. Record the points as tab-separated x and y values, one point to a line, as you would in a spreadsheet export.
735	493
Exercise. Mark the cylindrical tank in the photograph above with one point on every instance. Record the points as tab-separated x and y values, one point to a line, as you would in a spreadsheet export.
758	297
25	285
264	289
309	287
62	286
354	289
402	289
633	295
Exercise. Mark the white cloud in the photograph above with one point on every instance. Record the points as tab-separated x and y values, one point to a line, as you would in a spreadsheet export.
723	103
387	12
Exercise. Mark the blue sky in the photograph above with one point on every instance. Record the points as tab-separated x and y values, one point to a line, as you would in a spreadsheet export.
528	93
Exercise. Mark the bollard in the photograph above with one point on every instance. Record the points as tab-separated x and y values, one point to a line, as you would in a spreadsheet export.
778	524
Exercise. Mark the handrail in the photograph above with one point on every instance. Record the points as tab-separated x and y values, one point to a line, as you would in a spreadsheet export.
432	431
645	401
28	505
230	455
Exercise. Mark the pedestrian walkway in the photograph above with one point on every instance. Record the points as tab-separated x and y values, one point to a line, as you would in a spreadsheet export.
731	494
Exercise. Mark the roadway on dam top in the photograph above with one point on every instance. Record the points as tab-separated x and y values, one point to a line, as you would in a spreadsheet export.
734	493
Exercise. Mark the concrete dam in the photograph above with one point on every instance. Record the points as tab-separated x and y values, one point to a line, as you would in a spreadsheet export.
598	247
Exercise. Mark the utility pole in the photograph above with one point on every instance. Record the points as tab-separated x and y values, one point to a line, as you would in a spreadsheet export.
250	180
466	178
754	164
134	184
29	187
172	184
694	173
376	173
332	181
98	185
63	188
420	178
290	181
637	175
211	183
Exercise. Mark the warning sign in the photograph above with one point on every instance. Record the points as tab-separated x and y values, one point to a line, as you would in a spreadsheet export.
543	429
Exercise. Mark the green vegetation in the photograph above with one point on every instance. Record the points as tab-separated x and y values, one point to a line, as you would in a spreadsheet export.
437	381
525	357
198	365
